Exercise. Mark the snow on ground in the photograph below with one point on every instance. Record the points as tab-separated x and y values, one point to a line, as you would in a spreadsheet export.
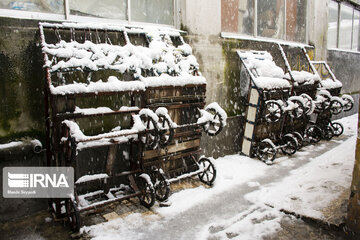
238	206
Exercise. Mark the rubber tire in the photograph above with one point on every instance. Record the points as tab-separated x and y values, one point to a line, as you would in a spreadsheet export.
147	191
260	150
267	106
146	119
291	145
328	133
335	126
299	138
73	215
206	127
165	142
336	110
314	132
207	164
163	186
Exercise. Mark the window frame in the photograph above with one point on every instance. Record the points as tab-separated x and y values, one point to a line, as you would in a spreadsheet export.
255	25
355	7
29	15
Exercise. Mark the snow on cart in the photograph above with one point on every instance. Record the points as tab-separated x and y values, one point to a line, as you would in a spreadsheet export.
125	107
270	107
322	87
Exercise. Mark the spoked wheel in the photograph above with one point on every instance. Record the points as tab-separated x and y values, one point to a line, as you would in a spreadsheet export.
273	111
299	138
313	133
266	152
323	103
336	106
73	215
151	136
308	104
290	145
338	128
348	102
298	110
147	197
209	174
328	133
215	125
166	130
161	185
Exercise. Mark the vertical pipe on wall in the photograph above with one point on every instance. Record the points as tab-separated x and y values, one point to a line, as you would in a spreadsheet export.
284	37
352	30
307	22
255	18
129	11
338	27
67	9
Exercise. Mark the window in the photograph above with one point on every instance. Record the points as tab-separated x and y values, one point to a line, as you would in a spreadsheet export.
281	19
149	11
46	6
115	9
343	29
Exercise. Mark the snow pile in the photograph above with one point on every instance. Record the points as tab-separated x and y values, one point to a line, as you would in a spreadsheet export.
303	77
215	106
113	84
330	84
117	135
92	177
264	70
161	58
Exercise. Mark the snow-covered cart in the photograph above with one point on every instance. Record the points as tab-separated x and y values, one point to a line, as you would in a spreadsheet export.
270	107
111	93
322	87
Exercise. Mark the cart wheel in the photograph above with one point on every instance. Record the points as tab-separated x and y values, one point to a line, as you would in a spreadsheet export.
147	197
273	111
209	174
348	102
266	152
298	110
151	135
336	106
166	131
338	128
323	103
290	144
73	215
309	104
161	185
299	138
313	133
214	126
328	133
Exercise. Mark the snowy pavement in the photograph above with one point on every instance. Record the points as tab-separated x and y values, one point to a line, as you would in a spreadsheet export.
247	196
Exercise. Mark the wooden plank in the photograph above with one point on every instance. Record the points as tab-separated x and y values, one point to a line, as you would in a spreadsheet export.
171	149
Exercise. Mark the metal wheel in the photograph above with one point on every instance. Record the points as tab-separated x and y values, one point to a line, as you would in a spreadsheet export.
147	197
166	131
151	136
290	144
336	106
323	103
299	138
73	215
348	102
213	127
338	128
308	104
299	109
313	133
209	174
328	133
273	111
266	152
161	185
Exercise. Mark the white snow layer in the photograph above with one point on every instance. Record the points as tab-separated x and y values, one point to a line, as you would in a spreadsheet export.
330	84
310	187
303	77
